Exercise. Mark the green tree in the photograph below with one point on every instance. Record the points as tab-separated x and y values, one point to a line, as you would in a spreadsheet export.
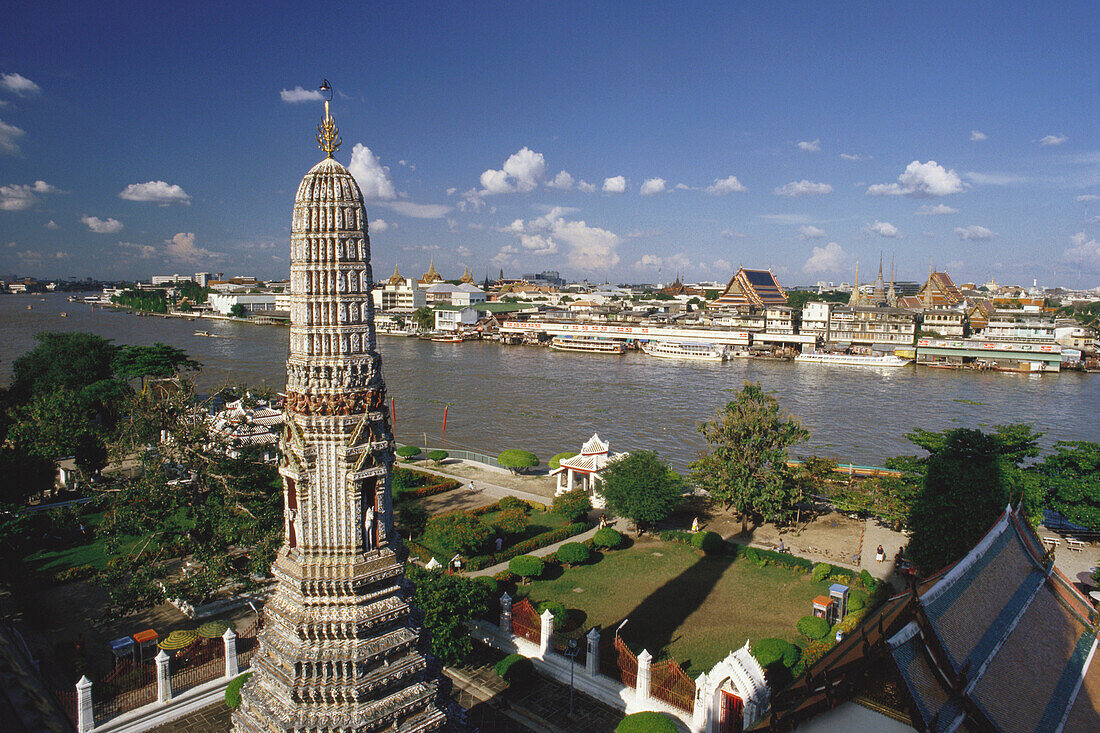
50	424
458	533
517	461
555	460
448	603
641	487
158	360
90	454
969	478
238	311
1071	482
512	521
573	505
424	317
412	517
746	464
75	361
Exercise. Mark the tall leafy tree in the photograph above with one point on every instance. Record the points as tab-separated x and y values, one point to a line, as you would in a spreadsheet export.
157	360
641	487
448	603
746	465
1070	478
969	478
75	361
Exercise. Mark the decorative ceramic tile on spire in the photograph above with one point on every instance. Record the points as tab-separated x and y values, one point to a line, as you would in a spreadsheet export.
338	650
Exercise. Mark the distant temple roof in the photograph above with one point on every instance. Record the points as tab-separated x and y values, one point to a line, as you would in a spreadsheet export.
751	289
939	291
431	275
395	278
1000	641
467	277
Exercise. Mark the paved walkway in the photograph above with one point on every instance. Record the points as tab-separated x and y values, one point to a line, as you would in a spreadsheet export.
543	551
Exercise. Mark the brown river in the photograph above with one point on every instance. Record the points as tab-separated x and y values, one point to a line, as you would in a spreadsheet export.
533	398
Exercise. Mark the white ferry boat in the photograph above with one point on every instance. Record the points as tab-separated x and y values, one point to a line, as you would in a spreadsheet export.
682	350
593	346
883	360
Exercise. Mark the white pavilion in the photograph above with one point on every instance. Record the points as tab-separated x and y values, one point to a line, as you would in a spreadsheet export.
583	470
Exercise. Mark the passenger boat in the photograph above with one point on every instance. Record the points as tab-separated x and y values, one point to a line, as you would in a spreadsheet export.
883	360
683	350
590	345
447	338
204	333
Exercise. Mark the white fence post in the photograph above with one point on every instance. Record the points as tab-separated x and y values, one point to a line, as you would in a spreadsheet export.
85	716
547	632
164	677
230	640
699	715
506	615
592	658
645	659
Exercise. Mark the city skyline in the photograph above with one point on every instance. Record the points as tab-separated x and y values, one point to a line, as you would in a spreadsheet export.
606	144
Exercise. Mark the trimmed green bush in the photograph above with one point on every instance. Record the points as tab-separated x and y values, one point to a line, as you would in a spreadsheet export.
812	654
512	521
514	669
607	538
709	542
572	505
527	566
558	610
233	690
408	451
457	533
856	601
556	459
438	455
773	651
822	571
526	546
517	461
573	553
813	628
647	722
491	584
511	502
867	579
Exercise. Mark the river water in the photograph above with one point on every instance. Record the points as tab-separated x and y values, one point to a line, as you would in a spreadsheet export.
545	401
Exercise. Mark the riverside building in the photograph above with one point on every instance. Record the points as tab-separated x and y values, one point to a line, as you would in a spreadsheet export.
339	650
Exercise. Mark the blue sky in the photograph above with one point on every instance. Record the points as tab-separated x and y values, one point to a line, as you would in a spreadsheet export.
153	138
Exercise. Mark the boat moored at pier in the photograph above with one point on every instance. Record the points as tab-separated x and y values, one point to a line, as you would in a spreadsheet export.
590	345
872	360
685	350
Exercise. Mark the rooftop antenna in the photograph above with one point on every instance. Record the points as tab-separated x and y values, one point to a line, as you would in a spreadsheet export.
328	135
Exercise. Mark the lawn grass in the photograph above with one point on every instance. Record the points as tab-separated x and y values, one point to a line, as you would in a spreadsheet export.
691	607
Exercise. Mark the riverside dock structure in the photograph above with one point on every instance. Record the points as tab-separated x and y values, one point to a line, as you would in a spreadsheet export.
638	332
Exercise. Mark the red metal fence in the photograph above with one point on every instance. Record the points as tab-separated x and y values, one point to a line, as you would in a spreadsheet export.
124	688
67	700
626	663
669	682
526	621
247	642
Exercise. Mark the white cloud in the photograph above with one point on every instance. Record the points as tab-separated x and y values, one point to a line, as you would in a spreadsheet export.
563	182
52	225
379	225
586	248
157	192
884	229
463	251
978	136
995	179
809	147
181	248
809	231
615	184
921	180
683	187
451	191
523	171
854	156
586	187
721	265
8	136
140	251
653	186
726	234
1053	140
417	211
830	258
725	185
803	188
936	210
18	197
297	94
1084	253
102	226
18	84
1087	197
373	177
974	233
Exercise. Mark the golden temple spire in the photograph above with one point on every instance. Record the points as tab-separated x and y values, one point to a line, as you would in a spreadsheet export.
328	135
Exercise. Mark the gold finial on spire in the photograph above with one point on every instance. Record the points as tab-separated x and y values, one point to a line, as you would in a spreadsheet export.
328	135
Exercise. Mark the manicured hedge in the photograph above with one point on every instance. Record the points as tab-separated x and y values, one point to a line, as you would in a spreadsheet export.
438	455
447	484
709	542
821	571
813	628
772	651
514	669
607	538
408	451
527	566
558	611
477	562
647	722
233	690
573	553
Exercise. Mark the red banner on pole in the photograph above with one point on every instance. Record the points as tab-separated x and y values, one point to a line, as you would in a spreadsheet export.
445	418
393	410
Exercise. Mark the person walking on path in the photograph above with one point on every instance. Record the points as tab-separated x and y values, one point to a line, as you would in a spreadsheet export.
880	554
